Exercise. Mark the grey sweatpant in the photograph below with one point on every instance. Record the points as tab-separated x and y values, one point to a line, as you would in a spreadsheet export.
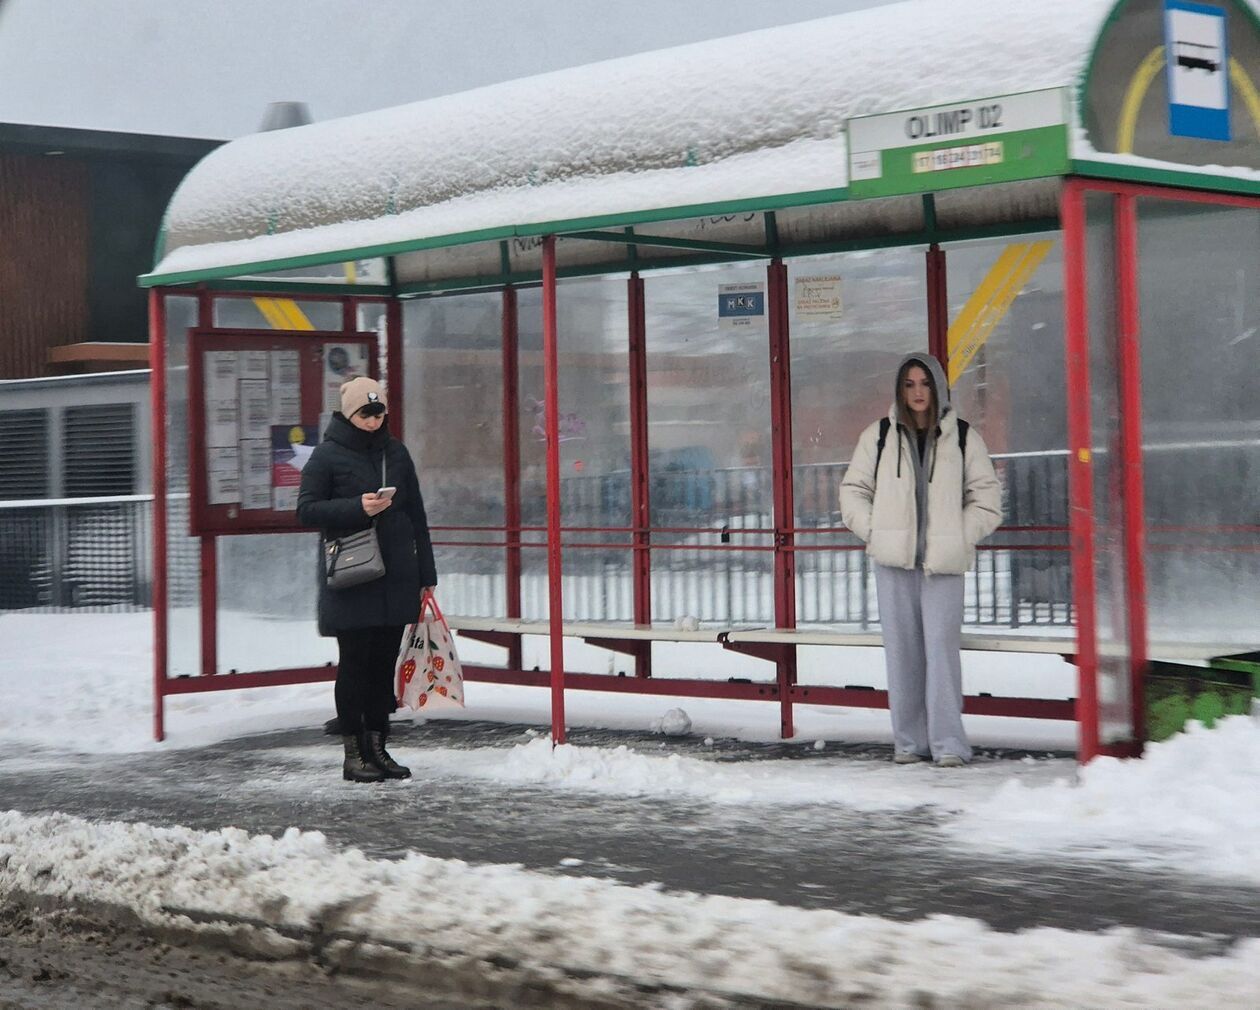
921	617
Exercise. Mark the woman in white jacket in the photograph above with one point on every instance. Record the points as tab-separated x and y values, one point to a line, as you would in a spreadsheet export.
921	501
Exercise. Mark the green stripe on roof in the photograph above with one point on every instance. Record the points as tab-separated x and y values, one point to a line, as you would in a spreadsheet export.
1166	177
624	219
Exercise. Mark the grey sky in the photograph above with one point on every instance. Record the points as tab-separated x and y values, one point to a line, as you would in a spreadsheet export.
200	68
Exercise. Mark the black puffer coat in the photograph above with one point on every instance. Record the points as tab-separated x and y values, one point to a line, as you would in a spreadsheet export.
343	467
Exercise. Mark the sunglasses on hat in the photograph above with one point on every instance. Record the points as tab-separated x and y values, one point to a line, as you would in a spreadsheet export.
372	409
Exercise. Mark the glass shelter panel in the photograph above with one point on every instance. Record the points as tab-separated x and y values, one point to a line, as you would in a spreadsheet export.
453	386
183	558
710	451
1115	707
852	317
1007	370
592	321
1199	282
267	313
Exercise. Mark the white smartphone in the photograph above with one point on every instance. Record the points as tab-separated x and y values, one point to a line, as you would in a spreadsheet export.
385	492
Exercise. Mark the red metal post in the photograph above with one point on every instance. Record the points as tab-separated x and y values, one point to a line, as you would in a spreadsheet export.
640	503
784	506
1129	354
395	391
551	398
1080	465
209	577
937	306
512	465
349	314
157	410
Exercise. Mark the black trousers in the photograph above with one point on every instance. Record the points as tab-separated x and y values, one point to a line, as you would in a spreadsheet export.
365	677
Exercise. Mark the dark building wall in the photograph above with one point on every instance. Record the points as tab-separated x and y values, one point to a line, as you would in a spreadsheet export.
128	199
44	275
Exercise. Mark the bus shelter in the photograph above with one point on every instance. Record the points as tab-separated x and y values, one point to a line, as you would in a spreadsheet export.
632	317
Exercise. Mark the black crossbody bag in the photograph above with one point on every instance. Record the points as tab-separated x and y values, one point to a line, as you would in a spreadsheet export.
355	558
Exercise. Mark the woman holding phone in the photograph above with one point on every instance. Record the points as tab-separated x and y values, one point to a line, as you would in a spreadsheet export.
360	476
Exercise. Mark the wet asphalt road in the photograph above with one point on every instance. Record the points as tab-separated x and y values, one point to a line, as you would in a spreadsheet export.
898	865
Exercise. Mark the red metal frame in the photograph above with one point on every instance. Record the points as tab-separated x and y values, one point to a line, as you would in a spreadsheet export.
751	690
208	584
1128	351
782	477
784	688
157	398
640	481
1080	465
208	678
1132	465
937	305
512	464
551	399
259	678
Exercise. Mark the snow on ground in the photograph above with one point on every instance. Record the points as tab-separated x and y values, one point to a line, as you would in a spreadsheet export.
1174	808
585	925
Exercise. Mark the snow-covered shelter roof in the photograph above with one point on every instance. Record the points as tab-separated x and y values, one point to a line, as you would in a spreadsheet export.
745	124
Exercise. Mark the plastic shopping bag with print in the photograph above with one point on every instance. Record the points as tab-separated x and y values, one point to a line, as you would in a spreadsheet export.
428	674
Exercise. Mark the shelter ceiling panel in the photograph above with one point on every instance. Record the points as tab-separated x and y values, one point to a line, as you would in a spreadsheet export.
478	259
743	228
839	222
1008	203
369	272
525	253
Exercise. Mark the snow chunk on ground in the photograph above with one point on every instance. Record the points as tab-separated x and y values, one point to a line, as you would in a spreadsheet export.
675	722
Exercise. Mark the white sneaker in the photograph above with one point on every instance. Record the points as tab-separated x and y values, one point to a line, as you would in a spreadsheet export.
950	761
906	757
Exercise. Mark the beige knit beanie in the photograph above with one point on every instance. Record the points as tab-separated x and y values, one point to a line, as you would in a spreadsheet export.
358	393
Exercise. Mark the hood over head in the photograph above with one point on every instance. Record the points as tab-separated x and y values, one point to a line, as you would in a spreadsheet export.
935	372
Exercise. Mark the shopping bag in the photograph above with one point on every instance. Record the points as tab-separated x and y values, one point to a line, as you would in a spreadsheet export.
428	673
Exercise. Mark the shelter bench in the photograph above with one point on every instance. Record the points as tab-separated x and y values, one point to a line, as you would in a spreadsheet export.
776	645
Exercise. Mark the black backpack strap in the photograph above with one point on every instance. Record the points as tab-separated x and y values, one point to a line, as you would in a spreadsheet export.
963	428
884	425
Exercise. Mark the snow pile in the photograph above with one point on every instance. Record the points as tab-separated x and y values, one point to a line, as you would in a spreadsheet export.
673	111
1191	800
84	682
755	948
865	785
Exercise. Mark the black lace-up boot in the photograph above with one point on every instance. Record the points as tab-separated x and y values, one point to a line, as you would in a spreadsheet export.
356	768
374	748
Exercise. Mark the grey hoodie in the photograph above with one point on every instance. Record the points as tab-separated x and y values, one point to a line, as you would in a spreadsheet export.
922	467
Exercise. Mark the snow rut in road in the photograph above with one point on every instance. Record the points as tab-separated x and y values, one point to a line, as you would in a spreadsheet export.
595	933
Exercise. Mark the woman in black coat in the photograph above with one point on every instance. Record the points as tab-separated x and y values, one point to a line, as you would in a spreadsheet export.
339	488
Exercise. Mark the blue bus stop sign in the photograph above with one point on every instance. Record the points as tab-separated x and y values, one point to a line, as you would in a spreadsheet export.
1196	44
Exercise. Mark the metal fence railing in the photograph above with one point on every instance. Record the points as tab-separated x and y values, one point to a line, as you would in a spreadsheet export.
712	552
76	553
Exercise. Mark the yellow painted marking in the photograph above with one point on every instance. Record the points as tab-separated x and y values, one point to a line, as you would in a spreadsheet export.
352	275
1247	88
985	290
991	301
275	319
1133	96
283	314
1084	455
1140	83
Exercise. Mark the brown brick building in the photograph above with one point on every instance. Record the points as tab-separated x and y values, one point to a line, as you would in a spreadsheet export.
80	211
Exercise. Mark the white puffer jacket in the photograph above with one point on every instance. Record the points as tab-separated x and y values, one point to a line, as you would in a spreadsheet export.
964	498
